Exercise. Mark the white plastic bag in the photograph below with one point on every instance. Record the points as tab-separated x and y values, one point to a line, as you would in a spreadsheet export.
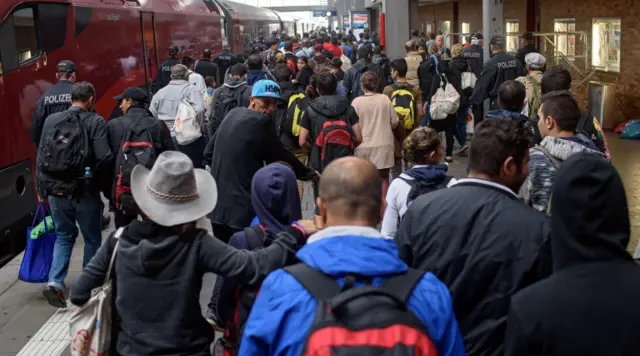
445	101
468	80
90	327
186	126
470	123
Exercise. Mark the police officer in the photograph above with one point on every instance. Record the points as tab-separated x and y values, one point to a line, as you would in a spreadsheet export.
55	99
474	54
163	77
225	60
500	68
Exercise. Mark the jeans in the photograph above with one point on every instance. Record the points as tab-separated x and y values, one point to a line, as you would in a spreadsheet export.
426	118
65	212
195	150
461	125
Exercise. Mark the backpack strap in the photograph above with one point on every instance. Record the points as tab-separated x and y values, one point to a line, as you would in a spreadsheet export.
321	286
556	162
401	285
255	237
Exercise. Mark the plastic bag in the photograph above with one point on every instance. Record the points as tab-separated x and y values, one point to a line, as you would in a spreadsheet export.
631	131
621	127
38	256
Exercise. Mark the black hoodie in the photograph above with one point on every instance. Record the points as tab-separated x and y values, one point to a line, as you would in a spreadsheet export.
320	110
589	305
158	277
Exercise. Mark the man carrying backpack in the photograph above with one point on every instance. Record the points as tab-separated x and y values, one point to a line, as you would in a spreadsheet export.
407	101
234	93
70	173
371	299
329	128
135	138
534	63
289	111
353	74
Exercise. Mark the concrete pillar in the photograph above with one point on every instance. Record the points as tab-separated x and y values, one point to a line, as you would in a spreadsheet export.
492	22
397	26
414	16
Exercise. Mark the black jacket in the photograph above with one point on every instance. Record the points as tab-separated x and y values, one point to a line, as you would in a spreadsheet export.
163	77
589	305
206	68
475	56
426	73
100	158
304	78
117	128
287	89
359	68
224	60
244	142
500	68
522	52
55	99
481	241
158	277
231	85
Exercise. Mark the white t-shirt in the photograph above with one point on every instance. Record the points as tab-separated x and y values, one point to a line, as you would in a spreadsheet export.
397	203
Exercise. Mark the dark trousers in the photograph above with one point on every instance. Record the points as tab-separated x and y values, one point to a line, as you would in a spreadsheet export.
447	125
195	150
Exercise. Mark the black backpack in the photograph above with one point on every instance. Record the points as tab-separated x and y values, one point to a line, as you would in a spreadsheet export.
363	320
290	114
136	148
421	187
335	140
227	101
63	155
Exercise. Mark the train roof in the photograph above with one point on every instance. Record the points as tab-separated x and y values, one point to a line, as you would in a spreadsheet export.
248	12
284	17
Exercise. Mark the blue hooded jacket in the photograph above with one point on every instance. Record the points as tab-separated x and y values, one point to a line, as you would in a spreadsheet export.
504	114
255	75
284	311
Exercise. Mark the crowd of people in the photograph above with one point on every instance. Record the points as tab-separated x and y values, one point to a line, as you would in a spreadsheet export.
526	255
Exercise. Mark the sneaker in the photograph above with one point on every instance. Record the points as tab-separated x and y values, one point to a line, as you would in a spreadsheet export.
448	159
106	220
55	297
462	151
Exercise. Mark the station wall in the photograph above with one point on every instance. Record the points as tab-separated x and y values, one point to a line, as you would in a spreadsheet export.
583	11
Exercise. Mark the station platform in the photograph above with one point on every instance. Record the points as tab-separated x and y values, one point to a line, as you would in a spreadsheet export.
30	327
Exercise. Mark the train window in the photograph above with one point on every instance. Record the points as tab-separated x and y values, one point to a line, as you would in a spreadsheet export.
52	26
25	34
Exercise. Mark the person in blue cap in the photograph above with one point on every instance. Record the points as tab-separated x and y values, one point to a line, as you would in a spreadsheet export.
246	139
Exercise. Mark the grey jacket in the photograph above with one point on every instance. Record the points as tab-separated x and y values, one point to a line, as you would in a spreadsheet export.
536	190
165	102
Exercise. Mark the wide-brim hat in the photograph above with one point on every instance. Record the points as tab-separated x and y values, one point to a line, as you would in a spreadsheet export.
173	192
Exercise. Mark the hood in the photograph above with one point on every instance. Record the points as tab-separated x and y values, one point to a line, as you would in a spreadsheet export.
286	90
330	105
320	58
233	82
255	74
137	112
362	65
379	59
562	148
589	213
459	63
148	248
342	250
504	114
275	197
435	174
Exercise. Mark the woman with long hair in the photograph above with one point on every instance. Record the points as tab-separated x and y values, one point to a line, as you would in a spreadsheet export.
304	73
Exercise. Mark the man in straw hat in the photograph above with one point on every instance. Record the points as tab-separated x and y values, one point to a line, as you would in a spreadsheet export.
162	258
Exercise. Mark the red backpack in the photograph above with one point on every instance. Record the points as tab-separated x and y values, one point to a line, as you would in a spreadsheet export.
363	320
335	141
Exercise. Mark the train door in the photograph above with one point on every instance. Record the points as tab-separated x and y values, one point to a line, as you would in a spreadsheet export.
149	47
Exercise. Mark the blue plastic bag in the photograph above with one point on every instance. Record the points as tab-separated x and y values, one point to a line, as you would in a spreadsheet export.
631	131
38	256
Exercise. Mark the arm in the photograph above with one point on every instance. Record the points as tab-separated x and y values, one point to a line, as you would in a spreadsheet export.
540	175
483	86
165	142
93	274
274	151
100	145
208	150
354	120
249	267
391	216
153	106
403	238
305	128
196	100
37	122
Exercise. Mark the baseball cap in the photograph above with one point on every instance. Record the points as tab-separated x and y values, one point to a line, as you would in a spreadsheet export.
133	93
527	36
66	67
497	41
476	36
266	89
173	49
535	60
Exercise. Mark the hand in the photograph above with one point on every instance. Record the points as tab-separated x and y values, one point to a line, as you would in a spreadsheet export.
42	200
308	226
316	177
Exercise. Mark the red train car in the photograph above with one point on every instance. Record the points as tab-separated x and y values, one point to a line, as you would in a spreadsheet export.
114	44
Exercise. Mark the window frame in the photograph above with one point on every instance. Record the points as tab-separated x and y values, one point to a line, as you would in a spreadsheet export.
467	25
567	21
599	66
35	13
511	35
